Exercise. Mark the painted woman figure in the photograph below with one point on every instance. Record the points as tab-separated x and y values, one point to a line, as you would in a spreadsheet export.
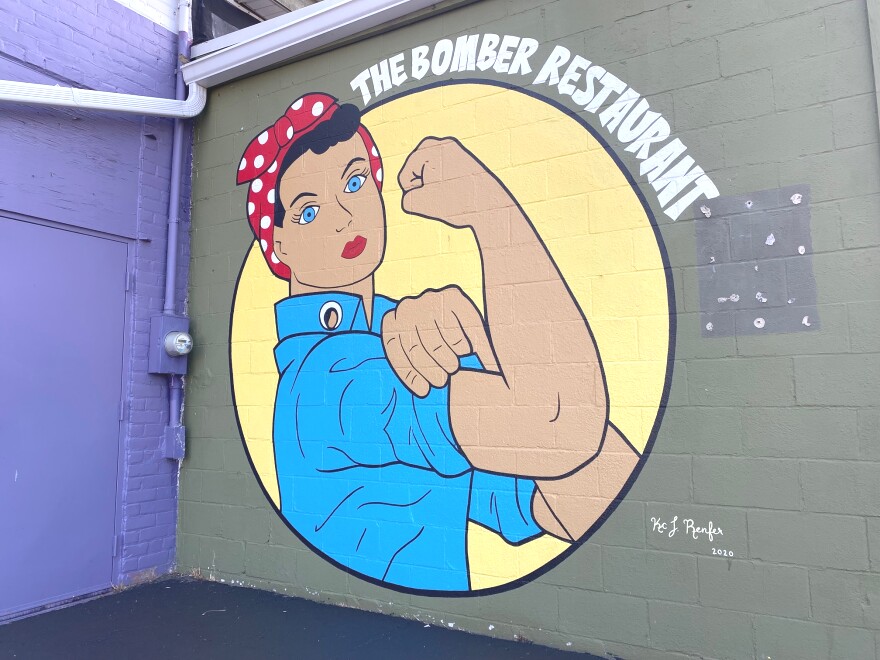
397	422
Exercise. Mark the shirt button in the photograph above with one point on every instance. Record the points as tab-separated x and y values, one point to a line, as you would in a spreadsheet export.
330	315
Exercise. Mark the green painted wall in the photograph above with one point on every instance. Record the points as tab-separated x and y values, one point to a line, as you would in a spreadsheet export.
773	437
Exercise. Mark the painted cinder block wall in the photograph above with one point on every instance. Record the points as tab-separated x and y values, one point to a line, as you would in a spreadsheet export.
771	437
57	167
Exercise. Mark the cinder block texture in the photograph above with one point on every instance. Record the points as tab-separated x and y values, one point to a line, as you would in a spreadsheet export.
752	530
107	173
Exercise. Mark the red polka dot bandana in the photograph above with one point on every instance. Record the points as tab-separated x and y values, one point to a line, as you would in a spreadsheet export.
260	162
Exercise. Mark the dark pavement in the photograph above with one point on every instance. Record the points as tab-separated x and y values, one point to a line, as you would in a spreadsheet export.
185	618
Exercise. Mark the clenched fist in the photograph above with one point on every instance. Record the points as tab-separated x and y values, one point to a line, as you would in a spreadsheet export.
441	180
425	336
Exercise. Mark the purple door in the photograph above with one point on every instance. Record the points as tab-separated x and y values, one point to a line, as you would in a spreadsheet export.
62	323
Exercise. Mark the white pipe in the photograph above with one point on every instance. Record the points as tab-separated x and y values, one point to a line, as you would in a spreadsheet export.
184	18
874	33
86	99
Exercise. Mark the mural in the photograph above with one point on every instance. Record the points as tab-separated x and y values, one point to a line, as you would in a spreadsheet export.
470	358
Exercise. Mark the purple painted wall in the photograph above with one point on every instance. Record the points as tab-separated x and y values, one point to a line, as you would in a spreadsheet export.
110	174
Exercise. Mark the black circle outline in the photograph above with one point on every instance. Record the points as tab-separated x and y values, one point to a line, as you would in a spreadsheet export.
661	409
327	306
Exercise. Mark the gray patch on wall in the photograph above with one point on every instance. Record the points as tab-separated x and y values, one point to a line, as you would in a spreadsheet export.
755	265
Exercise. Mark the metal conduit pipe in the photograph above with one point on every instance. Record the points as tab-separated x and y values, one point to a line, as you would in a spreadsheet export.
177	159
174	435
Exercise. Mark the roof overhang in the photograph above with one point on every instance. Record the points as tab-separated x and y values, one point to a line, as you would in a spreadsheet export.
293	36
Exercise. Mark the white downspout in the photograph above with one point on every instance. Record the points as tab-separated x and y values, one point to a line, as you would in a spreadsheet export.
874	32
86	99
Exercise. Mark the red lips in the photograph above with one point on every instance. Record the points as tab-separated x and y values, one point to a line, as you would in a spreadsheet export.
354	247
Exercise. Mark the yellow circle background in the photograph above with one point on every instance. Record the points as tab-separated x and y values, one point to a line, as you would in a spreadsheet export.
585	211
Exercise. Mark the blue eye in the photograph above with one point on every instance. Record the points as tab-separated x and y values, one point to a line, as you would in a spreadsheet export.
308	215
355	182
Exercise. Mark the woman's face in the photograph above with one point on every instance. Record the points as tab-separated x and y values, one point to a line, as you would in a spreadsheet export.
333	232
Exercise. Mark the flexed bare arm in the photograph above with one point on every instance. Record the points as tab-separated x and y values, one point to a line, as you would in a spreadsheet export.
543	413
541	410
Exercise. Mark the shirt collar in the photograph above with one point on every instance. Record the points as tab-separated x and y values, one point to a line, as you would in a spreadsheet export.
303	313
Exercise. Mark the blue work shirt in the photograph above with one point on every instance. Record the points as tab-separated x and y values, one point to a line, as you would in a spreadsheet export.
368	473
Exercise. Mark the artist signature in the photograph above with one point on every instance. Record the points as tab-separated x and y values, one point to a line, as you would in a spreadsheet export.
688	526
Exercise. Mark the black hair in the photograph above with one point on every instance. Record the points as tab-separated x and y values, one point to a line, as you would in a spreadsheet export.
340	127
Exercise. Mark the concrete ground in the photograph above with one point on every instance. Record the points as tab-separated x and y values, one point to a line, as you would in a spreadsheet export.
185	618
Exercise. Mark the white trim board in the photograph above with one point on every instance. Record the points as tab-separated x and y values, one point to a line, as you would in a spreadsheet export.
298	33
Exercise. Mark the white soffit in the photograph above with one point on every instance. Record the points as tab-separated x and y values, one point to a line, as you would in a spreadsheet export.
295	34
265	9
